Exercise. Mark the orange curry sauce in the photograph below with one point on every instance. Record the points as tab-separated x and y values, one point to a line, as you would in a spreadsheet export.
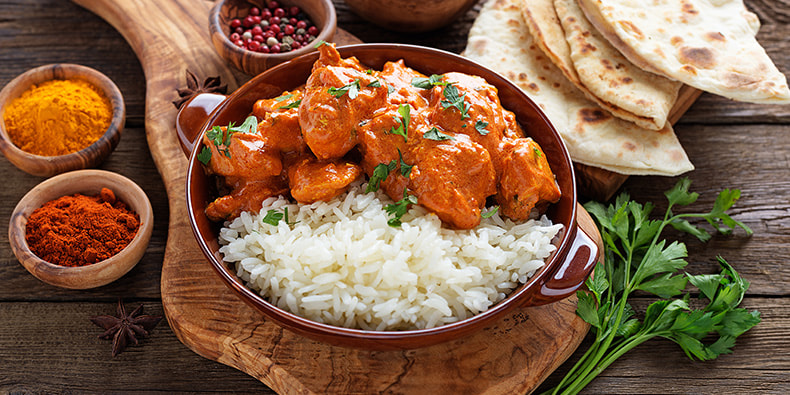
329	139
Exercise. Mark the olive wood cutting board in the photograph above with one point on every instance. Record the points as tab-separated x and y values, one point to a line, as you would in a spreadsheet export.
513	356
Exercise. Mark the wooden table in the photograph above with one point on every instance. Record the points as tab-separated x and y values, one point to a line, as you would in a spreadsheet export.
48	344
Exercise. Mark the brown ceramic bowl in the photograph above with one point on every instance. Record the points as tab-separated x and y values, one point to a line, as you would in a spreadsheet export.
563	273
86	182
88	157
410	16
321	12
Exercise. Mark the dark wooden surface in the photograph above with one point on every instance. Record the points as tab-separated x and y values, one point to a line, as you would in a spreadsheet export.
47	343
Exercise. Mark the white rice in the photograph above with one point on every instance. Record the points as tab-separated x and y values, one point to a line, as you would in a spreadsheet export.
341	264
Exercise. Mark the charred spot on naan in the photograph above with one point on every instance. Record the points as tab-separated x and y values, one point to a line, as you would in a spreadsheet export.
734	79
676	40
593	116
702	58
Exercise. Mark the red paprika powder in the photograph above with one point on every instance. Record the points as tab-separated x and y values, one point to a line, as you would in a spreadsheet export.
80	230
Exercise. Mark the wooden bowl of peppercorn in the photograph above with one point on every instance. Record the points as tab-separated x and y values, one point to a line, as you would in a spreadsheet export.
60	117
254	35
90	215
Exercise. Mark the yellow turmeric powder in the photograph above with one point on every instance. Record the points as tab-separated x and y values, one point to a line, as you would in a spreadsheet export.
58	117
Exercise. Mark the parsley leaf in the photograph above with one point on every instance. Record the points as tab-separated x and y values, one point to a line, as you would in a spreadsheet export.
452	99
293	104
273	217
351	88
480	126
635	258
428	83
319	44
250	125
399	208
283	97
489	213
436	135
375	84
405	169
204	156
380	173
403	129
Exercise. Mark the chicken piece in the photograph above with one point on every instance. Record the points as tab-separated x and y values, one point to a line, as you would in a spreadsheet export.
336	99
526	180
279	122
481	116
245	157
248	196
313	180
452	178
399	77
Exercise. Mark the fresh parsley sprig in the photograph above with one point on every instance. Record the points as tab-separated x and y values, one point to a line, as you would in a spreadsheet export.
636	259
273	217
436	135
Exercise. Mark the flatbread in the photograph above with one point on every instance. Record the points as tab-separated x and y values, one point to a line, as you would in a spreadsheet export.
544	24
708	44
605	72
501	40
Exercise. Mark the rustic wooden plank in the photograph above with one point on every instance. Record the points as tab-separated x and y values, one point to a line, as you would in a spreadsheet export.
758	364
54	348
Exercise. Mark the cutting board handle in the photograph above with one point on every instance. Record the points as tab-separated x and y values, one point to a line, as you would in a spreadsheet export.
192	117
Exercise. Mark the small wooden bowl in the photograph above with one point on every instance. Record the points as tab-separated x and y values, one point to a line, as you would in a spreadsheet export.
321	12
86	182
410	16
88	157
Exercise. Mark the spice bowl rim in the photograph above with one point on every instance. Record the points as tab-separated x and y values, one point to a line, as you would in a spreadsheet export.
563	273
254	63
88	157
88	182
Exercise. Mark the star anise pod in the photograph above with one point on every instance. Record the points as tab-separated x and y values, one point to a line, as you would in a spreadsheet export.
125	328
194	87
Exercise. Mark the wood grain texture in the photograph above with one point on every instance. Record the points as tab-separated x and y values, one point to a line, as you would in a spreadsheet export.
47	344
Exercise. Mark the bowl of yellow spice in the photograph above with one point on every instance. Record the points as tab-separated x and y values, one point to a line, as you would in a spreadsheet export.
60	117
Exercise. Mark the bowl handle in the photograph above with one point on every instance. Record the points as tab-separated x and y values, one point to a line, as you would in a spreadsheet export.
570	276
191	117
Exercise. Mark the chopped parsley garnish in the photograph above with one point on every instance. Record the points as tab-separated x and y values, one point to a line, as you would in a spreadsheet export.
452	99
369	71
428	83
283	97
204	156
480	126
273	217
382	170
399	208
291	105
375	84
403	129
221	138
250	125
380	173
537	152
390	89
405	169
436	135
352	89
319	43
489	213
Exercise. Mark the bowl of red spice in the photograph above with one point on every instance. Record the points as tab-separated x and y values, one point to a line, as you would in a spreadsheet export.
81	229
60	117
254	35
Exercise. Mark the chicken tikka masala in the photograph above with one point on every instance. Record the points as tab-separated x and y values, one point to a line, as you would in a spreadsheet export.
443	139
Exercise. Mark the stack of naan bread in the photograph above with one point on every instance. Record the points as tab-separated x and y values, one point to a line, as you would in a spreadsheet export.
608	72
